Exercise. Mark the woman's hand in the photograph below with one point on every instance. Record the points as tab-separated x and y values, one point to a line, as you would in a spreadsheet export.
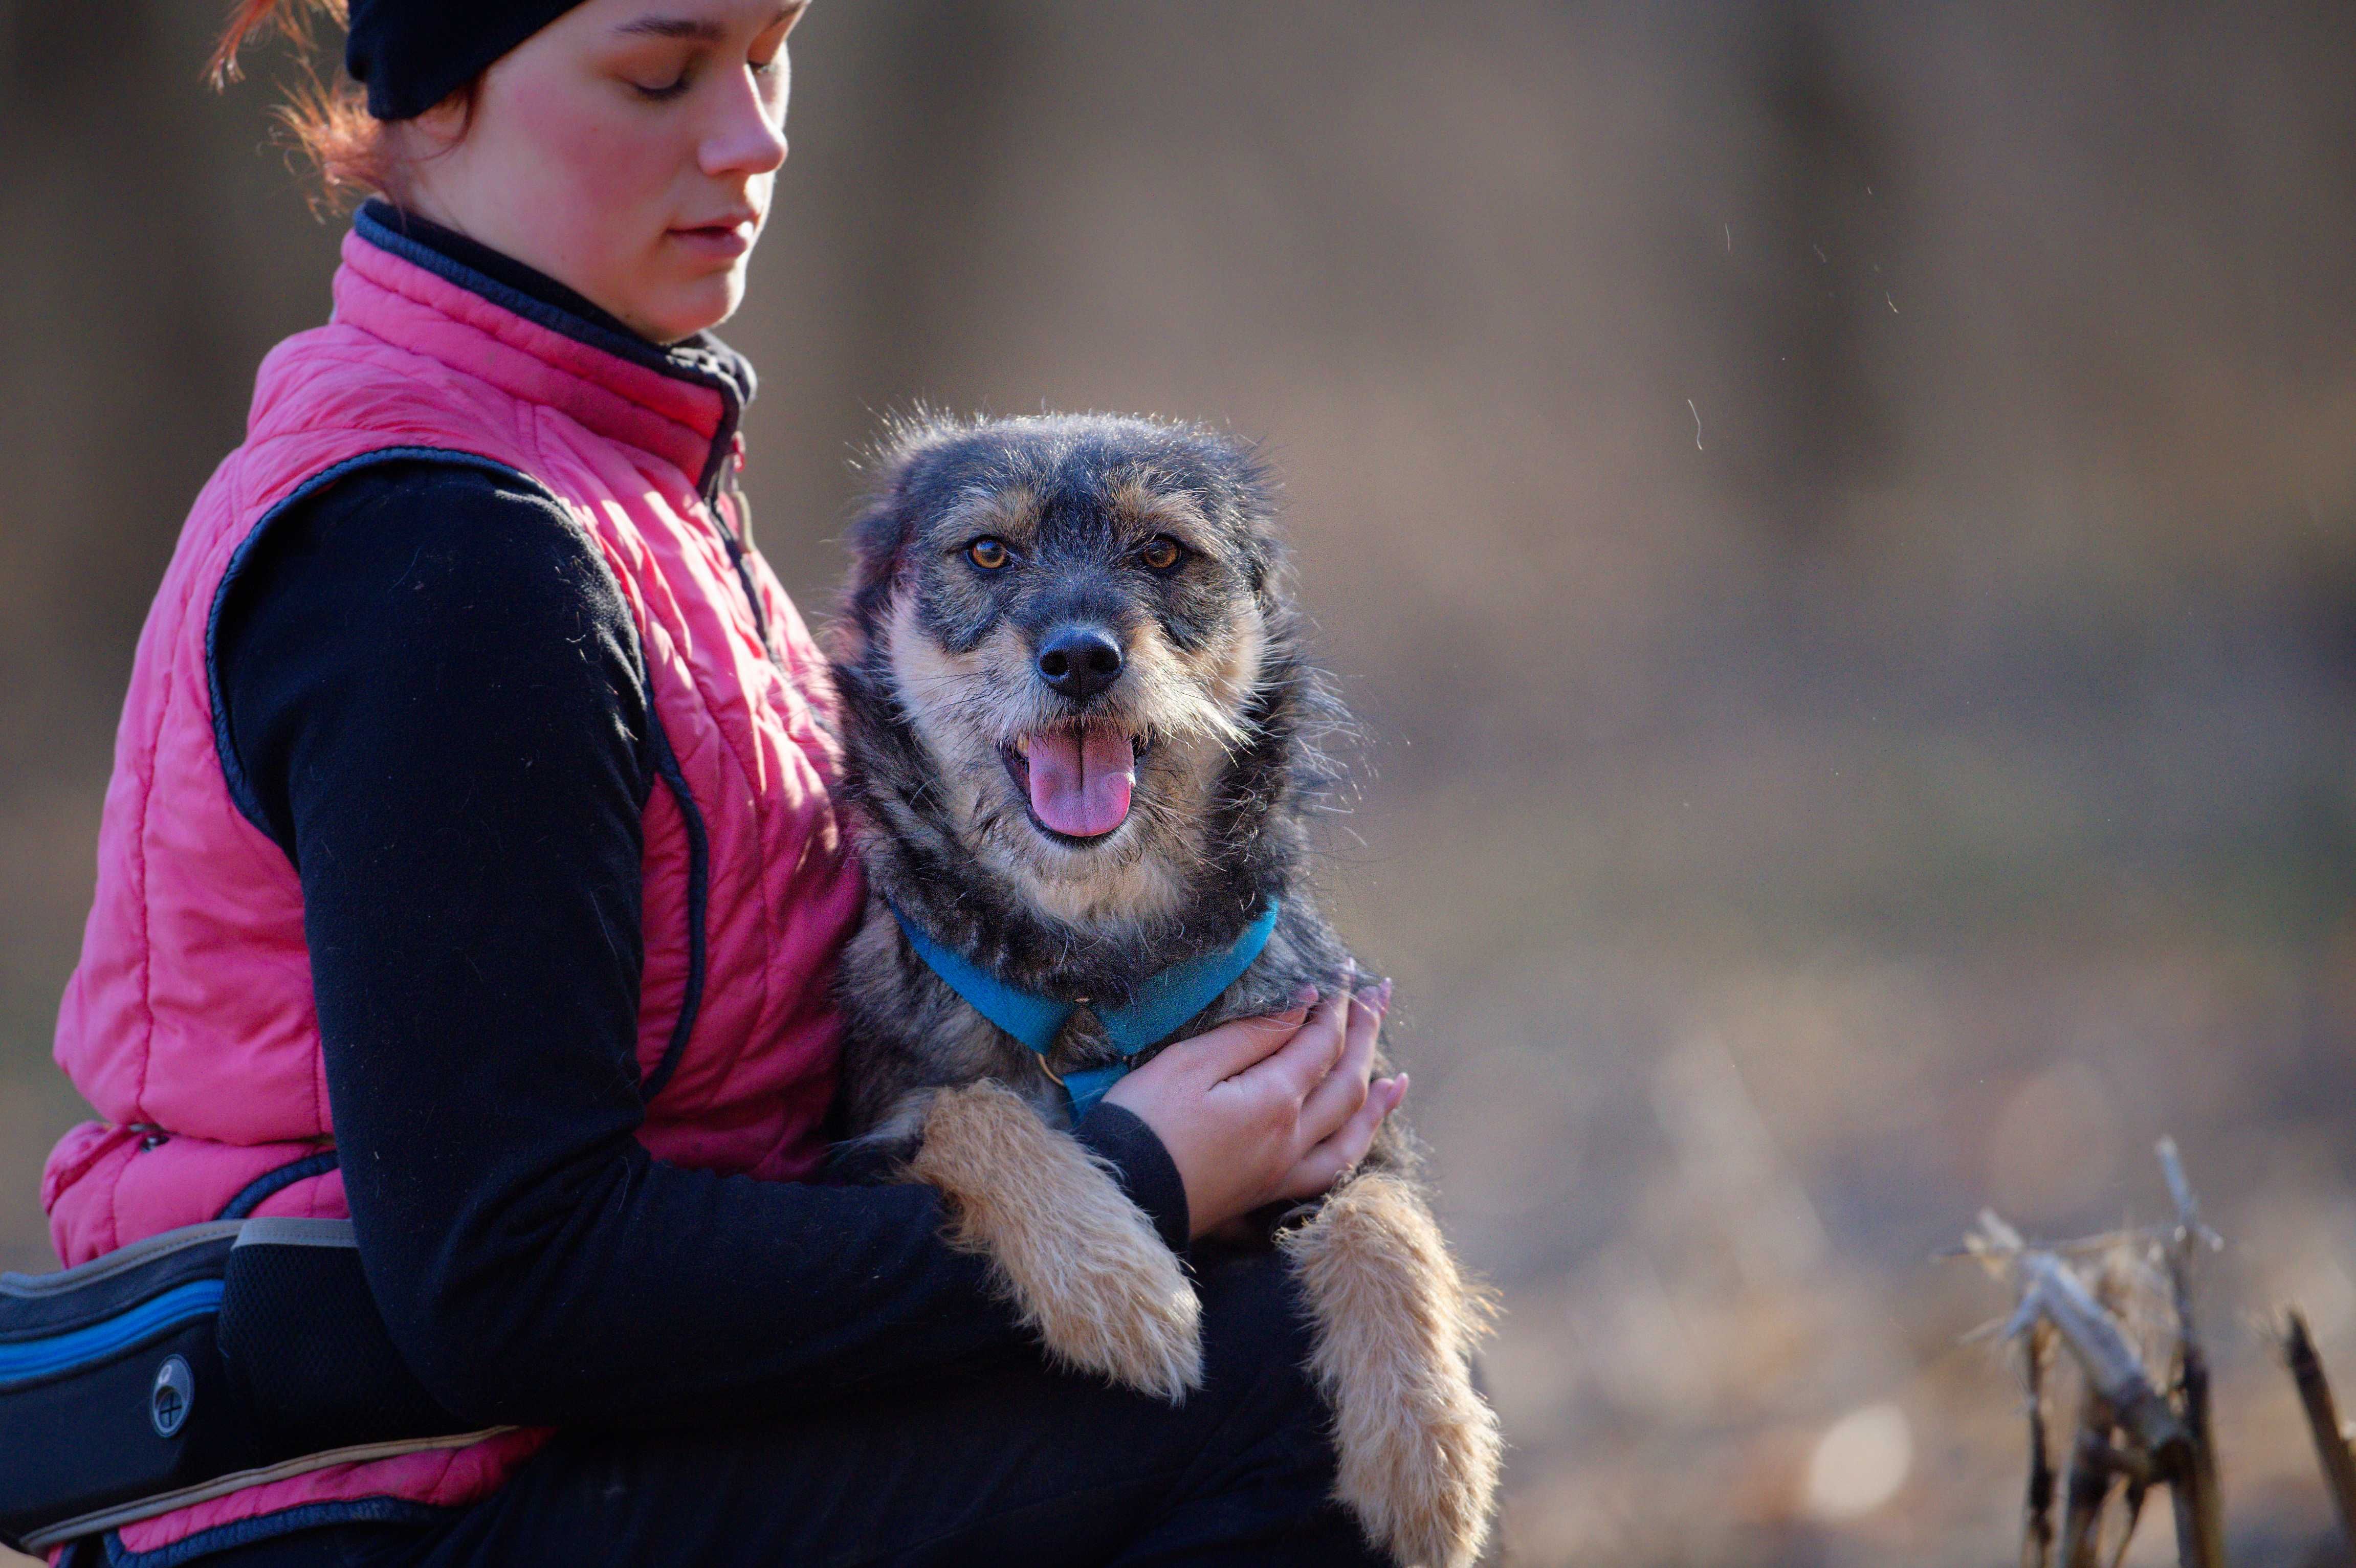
1267	1108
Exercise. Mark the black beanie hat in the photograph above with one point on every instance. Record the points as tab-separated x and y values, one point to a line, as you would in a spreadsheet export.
412	54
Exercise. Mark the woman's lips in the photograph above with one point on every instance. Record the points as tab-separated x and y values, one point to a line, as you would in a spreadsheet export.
725	241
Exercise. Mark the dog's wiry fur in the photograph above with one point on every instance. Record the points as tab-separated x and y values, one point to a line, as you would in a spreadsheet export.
1418	1446
935	661
1137	1320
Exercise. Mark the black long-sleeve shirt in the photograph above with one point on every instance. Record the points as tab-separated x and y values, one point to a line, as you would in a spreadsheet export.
435	690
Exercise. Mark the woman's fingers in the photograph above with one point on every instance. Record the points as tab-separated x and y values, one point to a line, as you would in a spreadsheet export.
1221	1053
1344	1089
1324	1165
1266	1108
1301	1062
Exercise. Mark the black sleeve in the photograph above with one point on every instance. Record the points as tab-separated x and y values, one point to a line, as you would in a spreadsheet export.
434	696
1146	1171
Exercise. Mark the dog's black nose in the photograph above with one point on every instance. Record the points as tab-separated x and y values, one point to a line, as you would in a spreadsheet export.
1078	661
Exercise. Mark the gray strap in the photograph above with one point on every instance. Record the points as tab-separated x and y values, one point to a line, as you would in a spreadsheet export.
165	1502
282	1230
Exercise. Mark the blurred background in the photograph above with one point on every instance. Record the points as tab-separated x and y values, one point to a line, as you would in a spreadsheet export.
1839	521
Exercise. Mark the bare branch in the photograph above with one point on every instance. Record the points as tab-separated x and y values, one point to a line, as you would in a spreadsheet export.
2193	1488
2089	1486
2188	1207
2037	1506
2127	1429
2322	1418
2136	1493
2112	1366
1996	1235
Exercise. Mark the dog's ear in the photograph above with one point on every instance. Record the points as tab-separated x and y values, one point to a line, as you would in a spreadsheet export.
894	509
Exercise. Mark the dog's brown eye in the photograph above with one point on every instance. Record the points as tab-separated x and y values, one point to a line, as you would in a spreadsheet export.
987	554
1162	553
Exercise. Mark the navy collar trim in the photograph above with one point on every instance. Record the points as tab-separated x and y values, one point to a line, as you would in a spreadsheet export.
497	265
473	266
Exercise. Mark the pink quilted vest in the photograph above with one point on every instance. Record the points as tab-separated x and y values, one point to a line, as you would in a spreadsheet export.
189	1022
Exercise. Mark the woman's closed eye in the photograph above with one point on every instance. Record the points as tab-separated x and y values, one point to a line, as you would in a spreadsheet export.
668	89
660	69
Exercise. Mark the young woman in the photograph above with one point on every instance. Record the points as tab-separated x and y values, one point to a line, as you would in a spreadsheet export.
469	867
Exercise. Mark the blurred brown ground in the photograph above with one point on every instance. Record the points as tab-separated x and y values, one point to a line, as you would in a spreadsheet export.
1840	521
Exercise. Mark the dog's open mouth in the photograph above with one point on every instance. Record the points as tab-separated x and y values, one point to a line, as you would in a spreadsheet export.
1079	778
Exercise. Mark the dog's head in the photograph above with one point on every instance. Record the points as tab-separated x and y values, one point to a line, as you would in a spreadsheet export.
1073	631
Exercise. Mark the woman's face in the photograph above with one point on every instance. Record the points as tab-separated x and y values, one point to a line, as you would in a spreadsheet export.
628	150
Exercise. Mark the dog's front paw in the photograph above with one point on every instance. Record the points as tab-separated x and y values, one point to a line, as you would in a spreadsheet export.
1419	1447
1083	1265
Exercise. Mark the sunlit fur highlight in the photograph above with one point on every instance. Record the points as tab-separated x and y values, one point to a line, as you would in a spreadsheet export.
1078	1261
1420	1451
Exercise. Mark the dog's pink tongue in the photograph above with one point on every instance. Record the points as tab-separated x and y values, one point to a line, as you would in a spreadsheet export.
1081	780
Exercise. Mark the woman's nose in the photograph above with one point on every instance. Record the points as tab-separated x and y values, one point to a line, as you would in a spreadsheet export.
749	137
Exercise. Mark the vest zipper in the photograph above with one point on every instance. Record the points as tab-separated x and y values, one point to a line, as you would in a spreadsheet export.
735	525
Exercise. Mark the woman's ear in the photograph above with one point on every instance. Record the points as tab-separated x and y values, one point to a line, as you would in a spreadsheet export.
443	126
413	145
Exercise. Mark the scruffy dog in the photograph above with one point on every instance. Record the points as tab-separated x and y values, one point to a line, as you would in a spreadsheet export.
1080	735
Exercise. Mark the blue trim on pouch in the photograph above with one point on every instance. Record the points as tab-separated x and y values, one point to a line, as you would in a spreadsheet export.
1165	1004
29	1360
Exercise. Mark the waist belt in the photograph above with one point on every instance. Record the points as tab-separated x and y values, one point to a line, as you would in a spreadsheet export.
193	1364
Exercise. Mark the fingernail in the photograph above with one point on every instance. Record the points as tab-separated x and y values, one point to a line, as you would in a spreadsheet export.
1384	1000
1305	996
1401	1082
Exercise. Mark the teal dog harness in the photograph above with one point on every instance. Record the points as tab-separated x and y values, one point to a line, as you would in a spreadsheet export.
1163	1006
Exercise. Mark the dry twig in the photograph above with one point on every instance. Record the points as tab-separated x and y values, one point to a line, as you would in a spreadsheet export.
2322	1418
2113	1369
2037	1504
2199	1508
2129	1430
2134	1509
2089	1489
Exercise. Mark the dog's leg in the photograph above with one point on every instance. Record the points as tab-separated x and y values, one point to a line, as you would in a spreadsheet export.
1396	1323
1082	1264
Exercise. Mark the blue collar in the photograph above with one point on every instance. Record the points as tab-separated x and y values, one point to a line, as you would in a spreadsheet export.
1163	1005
